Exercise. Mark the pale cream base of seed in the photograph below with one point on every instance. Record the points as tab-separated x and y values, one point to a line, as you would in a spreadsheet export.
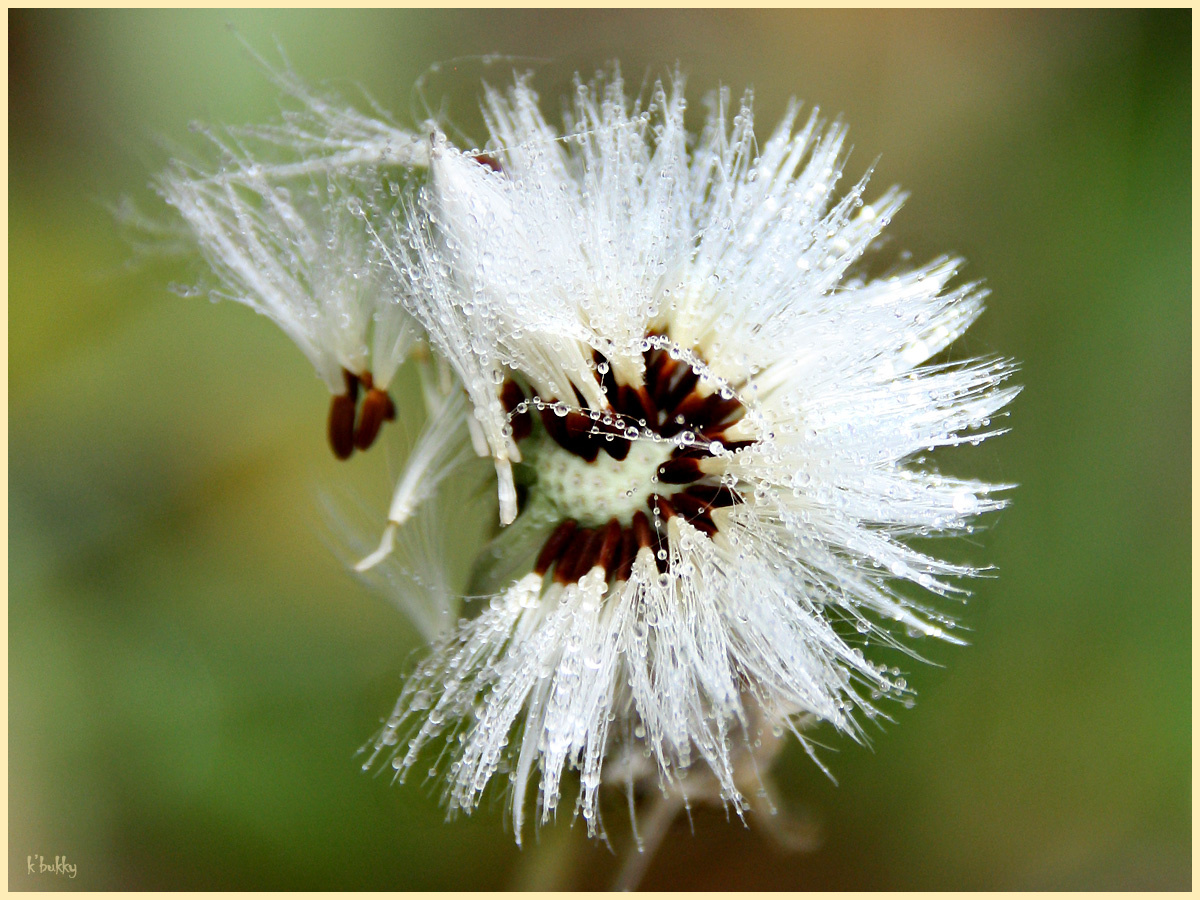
592	493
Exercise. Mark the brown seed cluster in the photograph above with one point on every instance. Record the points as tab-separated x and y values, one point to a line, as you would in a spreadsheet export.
377	408
667	404
488	161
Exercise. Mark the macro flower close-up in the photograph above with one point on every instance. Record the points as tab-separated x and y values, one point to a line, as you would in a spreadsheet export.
702	411
679	462
703	406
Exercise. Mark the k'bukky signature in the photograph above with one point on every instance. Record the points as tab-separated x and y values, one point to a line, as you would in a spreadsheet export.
37	865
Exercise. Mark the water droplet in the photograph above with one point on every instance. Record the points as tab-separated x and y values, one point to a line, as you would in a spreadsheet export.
965	502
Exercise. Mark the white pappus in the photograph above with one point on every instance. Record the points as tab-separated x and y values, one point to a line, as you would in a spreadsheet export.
706	414
288	240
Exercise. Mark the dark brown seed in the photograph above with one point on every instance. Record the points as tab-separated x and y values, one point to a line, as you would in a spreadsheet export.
587	559
489	161
658	377
374	412
579	431
610	543
694	511
694	451
645	407
704	412
626	403
352	382
689	506
665	508
580	439
554	546
670	427
617	448
341	425
659	365
578	556
574	440
608	381
650	359
681	470
629	549
555	426
714	495
522	426
642	532
636	403
679	390
725	411
512	396
691	405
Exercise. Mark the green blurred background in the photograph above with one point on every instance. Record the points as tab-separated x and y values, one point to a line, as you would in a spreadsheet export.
191	668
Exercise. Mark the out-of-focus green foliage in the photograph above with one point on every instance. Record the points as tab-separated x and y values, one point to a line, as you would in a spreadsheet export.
192	667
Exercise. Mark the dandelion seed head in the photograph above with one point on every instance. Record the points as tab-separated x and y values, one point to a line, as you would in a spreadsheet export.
707	417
